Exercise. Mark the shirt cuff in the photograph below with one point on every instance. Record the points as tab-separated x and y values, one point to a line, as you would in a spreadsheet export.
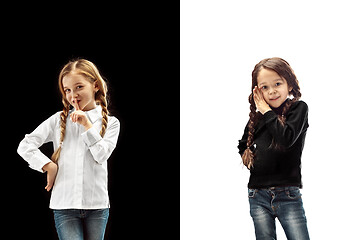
270	115
91	137
39	163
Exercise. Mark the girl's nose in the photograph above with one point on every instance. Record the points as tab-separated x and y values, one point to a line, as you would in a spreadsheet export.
74	97
272	91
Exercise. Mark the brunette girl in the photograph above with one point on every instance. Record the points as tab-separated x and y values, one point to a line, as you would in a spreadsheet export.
271	149
83	137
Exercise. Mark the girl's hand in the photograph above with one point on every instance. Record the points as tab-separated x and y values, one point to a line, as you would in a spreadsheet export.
79	116
51	169
260	102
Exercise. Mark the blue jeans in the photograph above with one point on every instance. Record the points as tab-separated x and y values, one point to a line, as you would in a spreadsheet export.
78	224
285	203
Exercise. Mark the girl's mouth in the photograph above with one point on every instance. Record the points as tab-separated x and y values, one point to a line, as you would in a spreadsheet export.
274	99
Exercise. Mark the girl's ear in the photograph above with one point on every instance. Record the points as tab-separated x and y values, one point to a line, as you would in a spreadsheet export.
96	86
290	89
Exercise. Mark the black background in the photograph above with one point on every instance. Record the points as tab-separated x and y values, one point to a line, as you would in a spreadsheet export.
136	48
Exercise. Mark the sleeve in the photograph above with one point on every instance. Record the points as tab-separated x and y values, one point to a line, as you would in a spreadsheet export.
243	142
296	122
28	148
102	147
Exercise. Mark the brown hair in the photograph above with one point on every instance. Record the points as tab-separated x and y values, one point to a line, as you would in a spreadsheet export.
283	69
91	73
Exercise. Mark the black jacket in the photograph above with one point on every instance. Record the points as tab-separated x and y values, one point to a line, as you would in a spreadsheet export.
275	167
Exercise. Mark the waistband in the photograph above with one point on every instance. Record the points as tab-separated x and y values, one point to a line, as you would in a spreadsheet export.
286	188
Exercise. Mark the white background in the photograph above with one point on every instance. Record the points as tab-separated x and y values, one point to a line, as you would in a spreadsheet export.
221	41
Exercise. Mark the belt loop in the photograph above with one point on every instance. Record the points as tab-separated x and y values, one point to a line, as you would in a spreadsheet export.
287	190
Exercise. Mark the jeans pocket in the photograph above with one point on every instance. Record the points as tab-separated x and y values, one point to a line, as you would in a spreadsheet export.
252	193
293	193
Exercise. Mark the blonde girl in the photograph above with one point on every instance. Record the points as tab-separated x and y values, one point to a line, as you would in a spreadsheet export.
271	147
83	136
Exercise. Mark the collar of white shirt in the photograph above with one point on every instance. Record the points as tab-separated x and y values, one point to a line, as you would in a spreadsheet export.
93	114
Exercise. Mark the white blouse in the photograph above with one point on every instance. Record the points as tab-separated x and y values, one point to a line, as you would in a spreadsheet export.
81	181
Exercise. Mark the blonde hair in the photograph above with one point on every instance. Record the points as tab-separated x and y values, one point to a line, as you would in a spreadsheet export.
91	73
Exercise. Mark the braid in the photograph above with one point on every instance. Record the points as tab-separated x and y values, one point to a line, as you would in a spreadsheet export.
105	113
297	96
63	117
282	117
248	155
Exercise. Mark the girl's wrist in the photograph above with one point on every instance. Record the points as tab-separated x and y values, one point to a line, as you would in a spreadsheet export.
48	166
266	110
88	125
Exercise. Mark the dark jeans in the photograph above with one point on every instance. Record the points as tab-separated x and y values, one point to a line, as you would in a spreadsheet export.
285	203
77	224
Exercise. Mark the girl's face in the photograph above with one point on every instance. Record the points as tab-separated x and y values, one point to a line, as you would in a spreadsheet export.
274	88
78	88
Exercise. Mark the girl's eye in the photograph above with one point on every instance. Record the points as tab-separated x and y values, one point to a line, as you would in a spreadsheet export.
278	84
67	90
264	87
78	87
